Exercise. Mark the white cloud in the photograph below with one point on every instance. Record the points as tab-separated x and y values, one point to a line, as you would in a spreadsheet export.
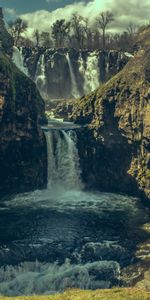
10	11
125	12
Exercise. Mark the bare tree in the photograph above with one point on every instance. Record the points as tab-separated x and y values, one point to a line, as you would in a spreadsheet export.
36	35
17	27
78	27
88	34
60	32
132	29
103	20
45	40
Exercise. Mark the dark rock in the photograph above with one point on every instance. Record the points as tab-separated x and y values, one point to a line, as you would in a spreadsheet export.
114	148
22	143
6	41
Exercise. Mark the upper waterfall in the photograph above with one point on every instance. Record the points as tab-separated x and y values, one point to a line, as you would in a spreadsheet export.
92	73
18	59
75	92
63	160
68	73
40	77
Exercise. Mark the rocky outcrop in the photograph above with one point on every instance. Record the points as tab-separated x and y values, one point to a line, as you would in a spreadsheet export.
22	144
6	41
114	148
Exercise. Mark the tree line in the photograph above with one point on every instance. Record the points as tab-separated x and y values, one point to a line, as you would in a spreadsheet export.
77	33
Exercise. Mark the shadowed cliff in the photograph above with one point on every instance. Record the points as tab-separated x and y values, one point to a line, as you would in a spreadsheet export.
22	144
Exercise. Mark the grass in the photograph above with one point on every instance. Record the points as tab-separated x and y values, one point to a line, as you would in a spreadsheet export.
114	294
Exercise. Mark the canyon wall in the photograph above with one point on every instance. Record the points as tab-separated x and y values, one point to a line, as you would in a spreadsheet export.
22	143
115	145
6	41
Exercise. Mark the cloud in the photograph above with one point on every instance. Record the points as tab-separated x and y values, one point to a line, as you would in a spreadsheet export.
54	1
10	12
125	12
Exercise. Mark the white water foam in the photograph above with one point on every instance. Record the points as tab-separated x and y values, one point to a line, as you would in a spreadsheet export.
40	76
45	278
19	60
63	159
75	92
91	72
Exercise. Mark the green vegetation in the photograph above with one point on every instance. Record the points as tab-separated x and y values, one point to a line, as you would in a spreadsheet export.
116	294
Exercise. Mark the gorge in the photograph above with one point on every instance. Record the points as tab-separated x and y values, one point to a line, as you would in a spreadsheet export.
63	236
71	210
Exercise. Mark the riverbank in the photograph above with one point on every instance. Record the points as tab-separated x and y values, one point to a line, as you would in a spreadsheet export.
114	294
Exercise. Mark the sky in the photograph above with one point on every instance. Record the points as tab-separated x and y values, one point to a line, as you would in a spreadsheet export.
40	14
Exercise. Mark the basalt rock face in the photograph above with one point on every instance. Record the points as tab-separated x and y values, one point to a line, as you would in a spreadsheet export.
114	147
6	41
22	143
71	73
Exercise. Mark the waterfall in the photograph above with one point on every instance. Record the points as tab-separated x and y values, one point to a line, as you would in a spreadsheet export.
75	92
63	160
81	66
19	60
40	76
92	73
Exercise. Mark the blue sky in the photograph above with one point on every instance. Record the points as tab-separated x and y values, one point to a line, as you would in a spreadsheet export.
26	6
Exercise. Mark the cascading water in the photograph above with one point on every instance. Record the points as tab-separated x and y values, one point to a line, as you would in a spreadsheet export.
75	92
85	70
92	73
65	237
81	238
19	60
81	65
40	77
63	160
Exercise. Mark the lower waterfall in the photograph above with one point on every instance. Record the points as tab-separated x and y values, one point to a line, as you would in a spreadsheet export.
63	159
18	60
65	236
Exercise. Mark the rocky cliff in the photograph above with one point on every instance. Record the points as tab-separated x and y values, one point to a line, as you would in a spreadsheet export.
6	41
22	144
114	147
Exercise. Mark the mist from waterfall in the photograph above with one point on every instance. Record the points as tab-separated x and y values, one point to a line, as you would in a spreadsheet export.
63	160
75	92
18	60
